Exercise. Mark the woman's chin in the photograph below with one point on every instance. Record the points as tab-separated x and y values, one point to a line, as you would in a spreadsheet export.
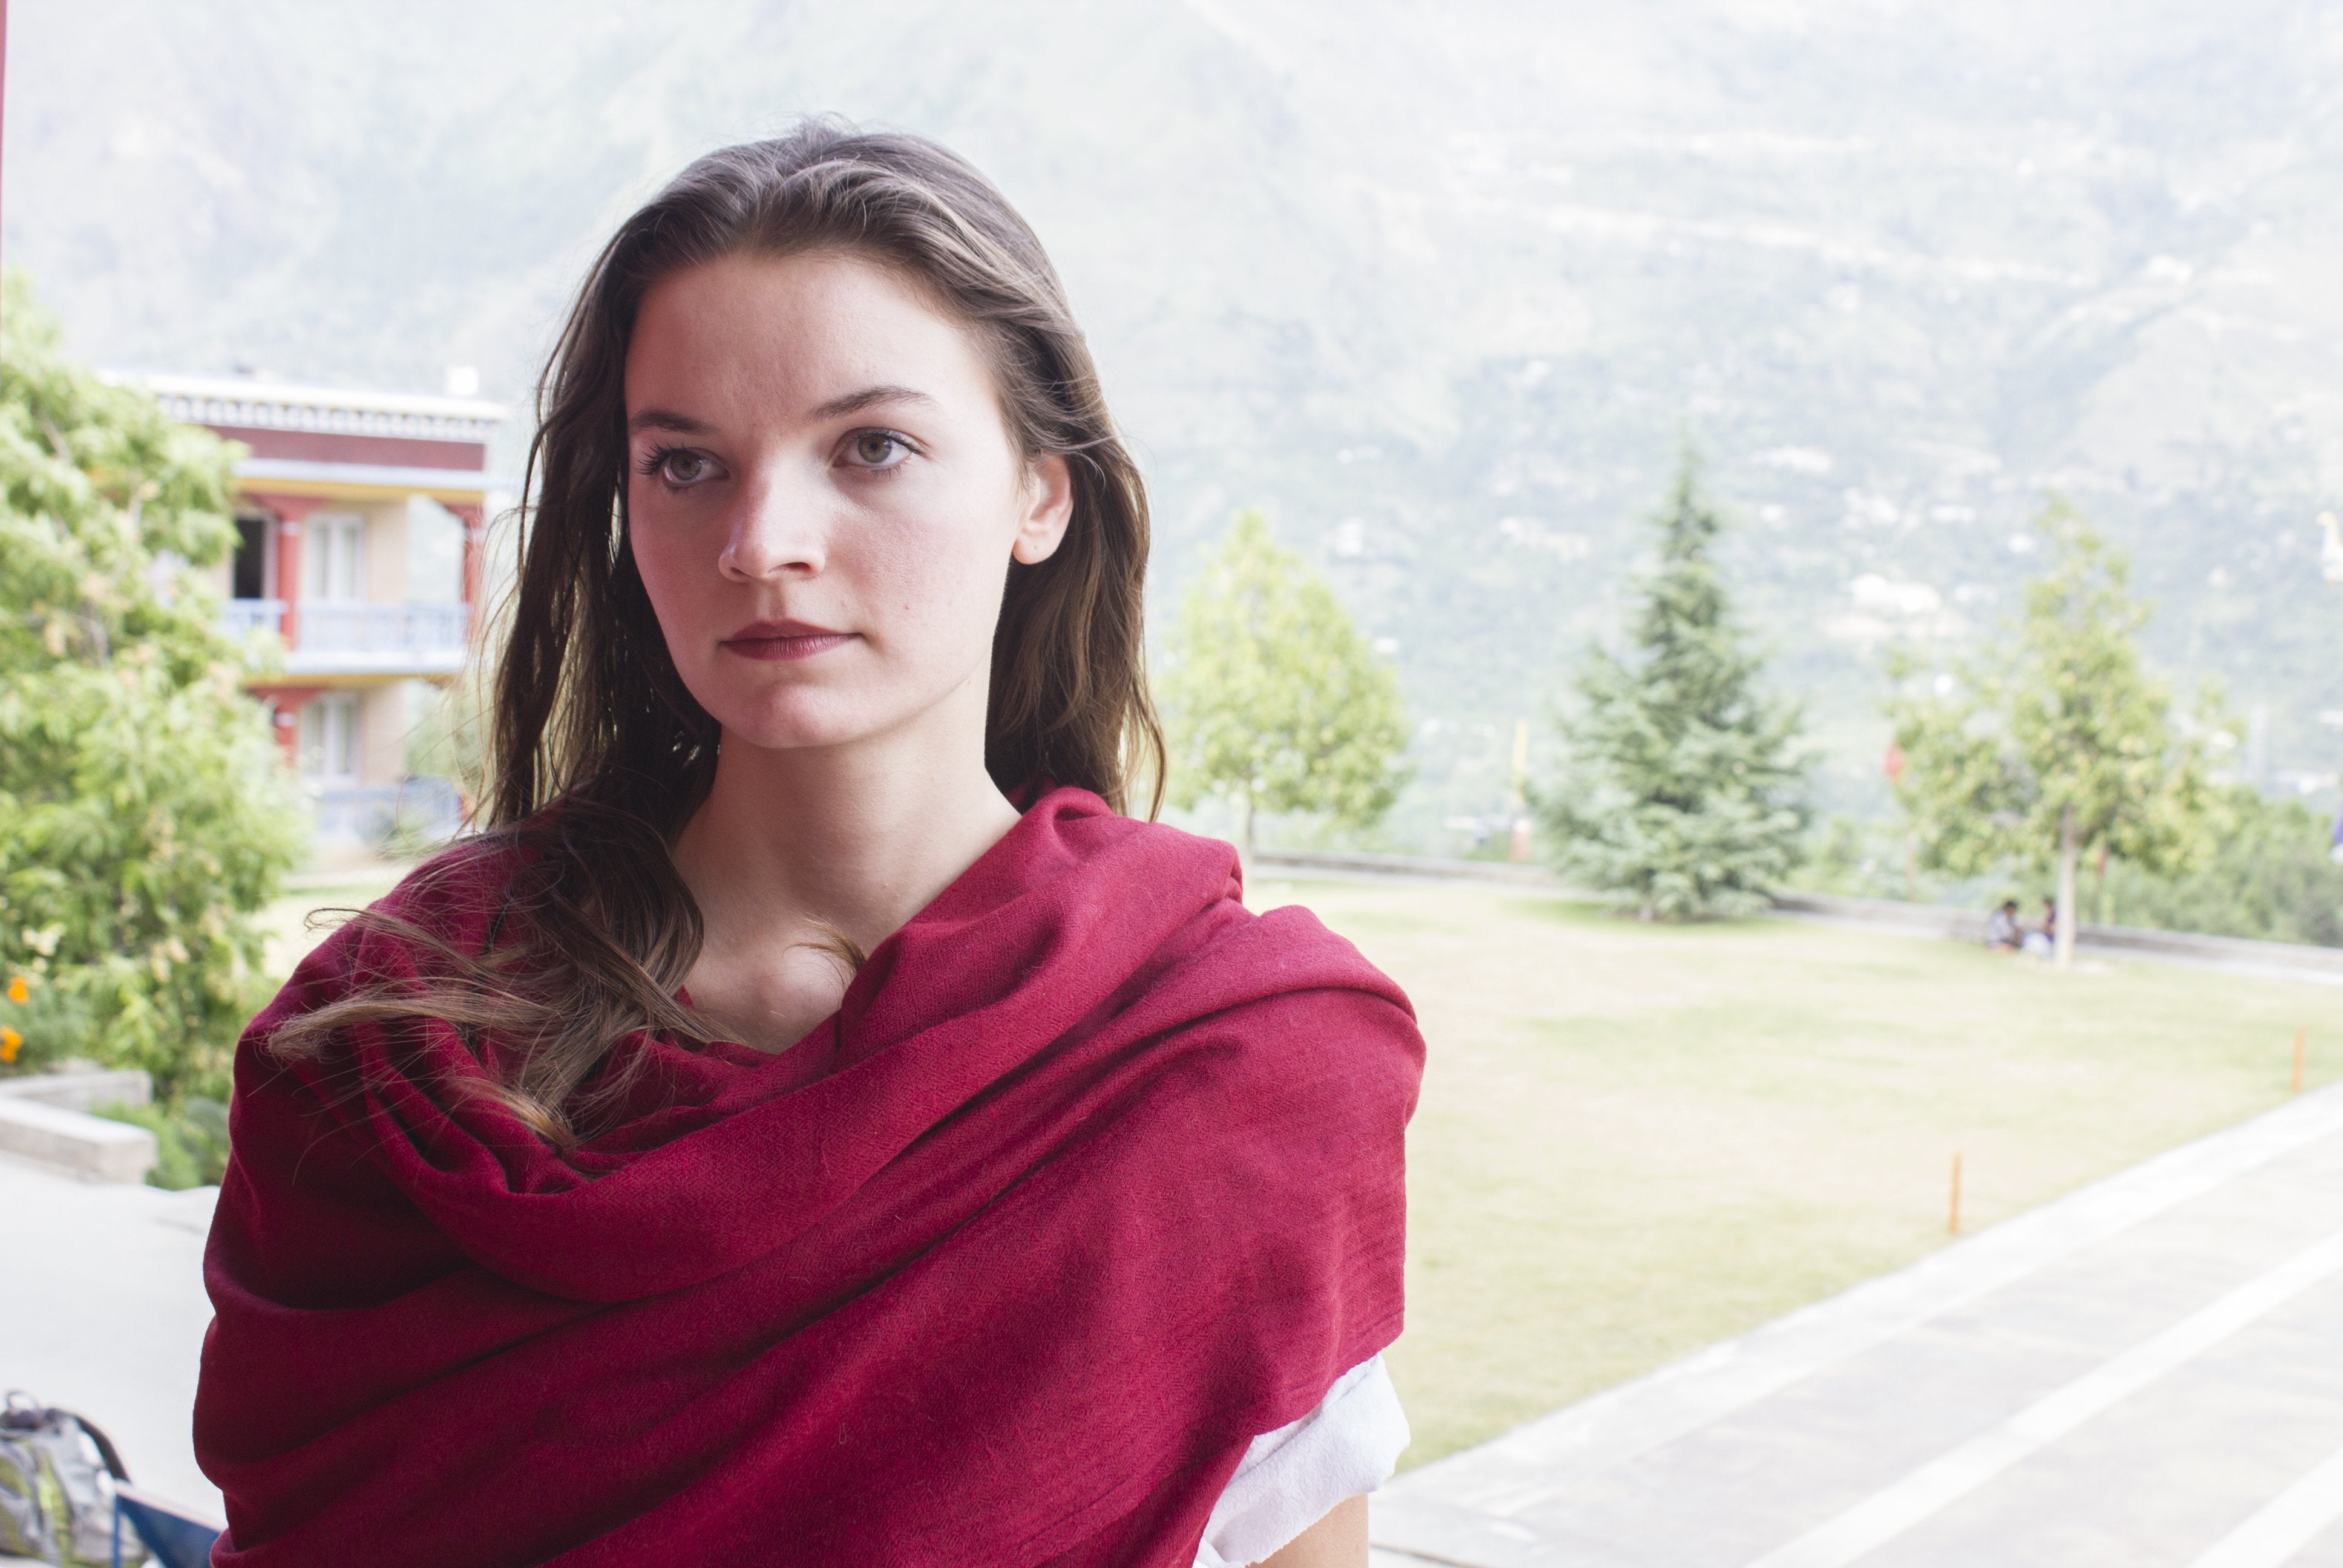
802	718
763	730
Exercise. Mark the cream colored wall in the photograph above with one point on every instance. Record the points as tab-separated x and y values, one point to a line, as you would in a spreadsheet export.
386	552
384	719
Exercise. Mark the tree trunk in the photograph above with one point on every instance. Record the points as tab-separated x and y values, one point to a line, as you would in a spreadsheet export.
2069	851
1247	854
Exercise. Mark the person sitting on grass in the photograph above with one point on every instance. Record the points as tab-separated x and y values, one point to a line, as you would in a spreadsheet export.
2043	941
811	1122
2001	933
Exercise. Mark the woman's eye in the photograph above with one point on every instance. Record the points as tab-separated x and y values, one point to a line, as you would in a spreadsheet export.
682	467
879	449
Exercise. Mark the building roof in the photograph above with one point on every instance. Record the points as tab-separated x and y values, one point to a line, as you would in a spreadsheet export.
248	403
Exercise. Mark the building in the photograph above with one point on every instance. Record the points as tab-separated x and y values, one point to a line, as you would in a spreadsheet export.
361	518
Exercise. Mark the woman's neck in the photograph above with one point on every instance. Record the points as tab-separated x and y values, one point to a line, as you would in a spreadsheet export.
794	848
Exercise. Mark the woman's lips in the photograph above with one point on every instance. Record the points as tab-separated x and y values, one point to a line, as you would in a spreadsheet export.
779	641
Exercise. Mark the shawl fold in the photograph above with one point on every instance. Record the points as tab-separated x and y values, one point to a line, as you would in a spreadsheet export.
1092	1177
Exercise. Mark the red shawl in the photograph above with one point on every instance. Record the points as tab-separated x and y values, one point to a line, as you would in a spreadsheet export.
1092	1177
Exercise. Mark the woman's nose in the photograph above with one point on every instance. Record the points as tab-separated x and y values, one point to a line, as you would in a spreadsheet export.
778	531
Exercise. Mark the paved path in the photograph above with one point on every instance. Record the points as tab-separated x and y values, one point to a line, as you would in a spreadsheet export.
102	1312
2148	1371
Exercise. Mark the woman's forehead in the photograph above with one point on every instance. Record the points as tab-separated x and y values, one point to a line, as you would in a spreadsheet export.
799	332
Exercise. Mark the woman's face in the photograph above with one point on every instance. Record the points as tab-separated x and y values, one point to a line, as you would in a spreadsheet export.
823	498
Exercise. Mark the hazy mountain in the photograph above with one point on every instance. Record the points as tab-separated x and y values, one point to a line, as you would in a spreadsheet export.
1444	286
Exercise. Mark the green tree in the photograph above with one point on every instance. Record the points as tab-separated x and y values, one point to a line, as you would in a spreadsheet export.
144	813
1271	697
1680	795
2266	874
2056	742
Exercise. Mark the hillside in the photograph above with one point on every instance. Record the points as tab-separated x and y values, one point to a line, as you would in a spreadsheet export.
1445	287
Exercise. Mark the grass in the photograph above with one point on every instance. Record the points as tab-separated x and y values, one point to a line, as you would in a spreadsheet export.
1636	1141
288	932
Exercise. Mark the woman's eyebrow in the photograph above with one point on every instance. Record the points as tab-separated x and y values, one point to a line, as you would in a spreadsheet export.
667	419
868	397
657	419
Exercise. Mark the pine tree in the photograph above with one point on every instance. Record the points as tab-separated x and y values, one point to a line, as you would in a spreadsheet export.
1271	697
1680	797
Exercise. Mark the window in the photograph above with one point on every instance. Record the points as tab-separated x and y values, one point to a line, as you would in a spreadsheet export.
248	577
435	553
333	558
329	738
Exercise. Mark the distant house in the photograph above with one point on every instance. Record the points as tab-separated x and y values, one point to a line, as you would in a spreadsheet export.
361	518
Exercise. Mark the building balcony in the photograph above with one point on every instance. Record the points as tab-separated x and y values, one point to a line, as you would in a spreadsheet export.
333	637
240	618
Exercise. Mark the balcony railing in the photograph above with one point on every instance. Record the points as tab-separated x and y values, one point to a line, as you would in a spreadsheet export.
355	638
240	618
380	628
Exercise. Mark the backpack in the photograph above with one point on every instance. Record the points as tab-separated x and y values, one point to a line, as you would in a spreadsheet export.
56	1488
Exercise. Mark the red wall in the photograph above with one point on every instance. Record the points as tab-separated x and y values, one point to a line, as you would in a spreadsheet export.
327	447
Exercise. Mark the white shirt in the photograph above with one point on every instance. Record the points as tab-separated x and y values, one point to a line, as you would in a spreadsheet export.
1292	1478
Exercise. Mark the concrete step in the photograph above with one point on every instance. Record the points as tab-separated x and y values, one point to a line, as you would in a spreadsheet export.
82	1089
75	1141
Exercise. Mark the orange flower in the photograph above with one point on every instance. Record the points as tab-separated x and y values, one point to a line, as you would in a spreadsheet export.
11	1043
17	989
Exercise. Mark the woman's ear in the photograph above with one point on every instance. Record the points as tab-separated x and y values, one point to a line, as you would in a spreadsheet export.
1048	501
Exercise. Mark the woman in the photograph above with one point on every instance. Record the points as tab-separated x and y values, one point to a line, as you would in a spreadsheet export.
809	1123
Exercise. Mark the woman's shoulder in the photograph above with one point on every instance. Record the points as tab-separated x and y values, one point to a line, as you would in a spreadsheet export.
456	900
449	911
1255	974
462	885
1209	962
1231	939
460	896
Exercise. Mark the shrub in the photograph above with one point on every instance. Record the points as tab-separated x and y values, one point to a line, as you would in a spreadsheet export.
2267	875
42	1023
145	815
190	1139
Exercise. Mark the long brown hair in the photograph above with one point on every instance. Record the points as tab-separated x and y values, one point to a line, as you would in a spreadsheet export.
597	753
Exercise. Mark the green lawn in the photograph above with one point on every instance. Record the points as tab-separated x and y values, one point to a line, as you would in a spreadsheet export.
287	925
1636	1141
